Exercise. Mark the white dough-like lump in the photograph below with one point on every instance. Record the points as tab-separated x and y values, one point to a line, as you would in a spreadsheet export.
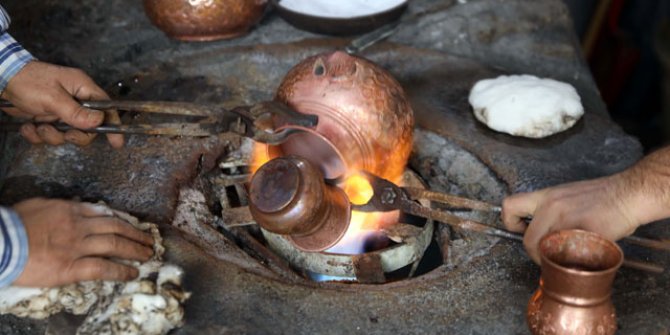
525	105
340	9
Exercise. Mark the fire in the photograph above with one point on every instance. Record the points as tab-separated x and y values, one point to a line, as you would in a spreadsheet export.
358	189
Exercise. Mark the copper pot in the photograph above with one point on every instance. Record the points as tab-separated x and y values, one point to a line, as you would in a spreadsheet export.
578	268
288	195
204	20
365	119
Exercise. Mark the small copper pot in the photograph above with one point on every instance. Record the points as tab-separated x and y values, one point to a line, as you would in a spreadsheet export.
365	119
578	268
204	20
288	195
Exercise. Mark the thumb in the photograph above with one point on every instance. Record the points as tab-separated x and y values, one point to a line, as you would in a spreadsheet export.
73	113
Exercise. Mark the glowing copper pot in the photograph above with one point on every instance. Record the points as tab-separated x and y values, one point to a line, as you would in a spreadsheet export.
204	20
365	119
578	269
288	196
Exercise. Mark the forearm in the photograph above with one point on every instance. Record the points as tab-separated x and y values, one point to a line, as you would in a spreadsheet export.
647	187
13	246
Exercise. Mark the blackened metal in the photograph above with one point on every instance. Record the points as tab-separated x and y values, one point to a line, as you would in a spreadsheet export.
368	268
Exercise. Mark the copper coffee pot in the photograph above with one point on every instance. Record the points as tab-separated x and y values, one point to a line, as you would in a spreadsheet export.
365	119
288	196
578	268
204	20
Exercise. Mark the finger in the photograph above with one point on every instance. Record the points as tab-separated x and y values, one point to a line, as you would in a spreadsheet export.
111	245
74	114
95	268
531	239
29	132
50	135
517	207
90	91
45	118
102	225
79	137
115	140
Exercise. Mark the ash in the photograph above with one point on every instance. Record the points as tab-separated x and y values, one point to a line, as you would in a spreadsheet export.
150	304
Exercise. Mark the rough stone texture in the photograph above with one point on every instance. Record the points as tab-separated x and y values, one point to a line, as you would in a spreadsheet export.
437	57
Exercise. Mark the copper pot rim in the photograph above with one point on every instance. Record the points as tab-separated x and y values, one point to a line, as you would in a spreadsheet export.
310	131
584	273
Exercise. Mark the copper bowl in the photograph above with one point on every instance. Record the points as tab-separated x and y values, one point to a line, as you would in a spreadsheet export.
340	26
204	20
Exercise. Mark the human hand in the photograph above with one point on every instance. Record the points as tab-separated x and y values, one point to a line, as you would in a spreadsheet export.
72	241
600	205
47	93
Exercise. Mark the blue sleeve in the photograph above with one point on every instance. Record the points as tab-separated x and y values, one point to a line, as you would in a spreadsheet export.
12	55
14	246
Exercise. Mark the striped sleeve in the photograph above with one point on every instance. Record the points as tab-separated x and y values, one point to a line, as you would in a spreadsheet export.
4	20
12	55
14	246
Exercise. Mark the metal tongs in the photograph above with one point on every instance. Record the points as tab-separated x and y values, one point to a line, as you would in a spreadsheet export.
389	197
254	121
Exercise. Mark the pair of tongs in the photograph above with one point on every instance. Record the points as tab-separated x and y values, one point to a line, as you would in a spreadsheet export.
390	197
253	121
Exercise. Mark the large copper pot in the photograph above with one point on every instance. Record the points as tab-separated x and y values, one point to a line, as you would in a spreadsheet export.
578	269
204	20
365	119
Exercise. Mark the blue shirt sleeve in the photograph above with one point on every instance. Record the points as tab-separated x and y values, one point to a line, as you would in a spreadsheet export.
13	246
12	56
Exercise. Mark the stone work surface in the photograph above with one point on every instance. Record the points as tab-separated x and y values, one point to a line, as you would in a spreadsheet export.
436	56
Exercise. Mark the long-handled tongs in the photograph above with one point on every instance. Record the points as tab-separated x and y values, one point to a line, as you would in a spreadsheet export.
389	197
253	121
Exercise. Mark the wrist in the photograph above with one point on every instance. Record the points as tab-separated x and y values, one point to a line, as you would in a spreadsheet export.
647	185
13	60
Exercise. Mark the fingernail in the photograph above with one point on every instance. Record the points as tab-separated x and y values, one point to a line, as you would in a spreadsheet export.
95	116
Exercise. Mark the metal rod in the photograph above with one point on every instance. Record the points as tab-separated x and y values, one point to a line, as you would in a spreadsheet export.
474	226
157	107
636	240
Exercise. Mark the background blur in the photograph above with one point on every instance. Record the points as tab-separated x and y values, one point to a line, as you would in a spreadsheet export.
627	46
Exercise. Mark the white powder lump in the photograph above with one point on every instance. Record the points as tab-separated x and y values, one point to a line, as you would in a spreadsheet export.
342	9
525	105
152	304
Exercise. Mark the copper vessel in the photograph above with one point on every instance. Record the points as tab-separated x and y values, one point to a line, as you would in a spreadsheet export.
288	195
204	20
578	268
365	119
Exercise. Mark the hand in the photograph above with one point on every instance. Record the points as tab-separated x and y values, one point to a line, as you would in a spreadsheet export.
600	205
71	242
46	93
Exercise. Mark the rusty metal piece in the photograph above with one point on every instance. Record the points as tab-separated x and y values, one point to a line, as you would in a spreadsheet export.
204	20
250	121
368	268
574	297
288	196
364	116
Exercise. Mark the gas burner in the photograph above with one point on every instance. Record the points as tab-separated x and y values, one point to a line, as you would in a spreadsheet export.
365	254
